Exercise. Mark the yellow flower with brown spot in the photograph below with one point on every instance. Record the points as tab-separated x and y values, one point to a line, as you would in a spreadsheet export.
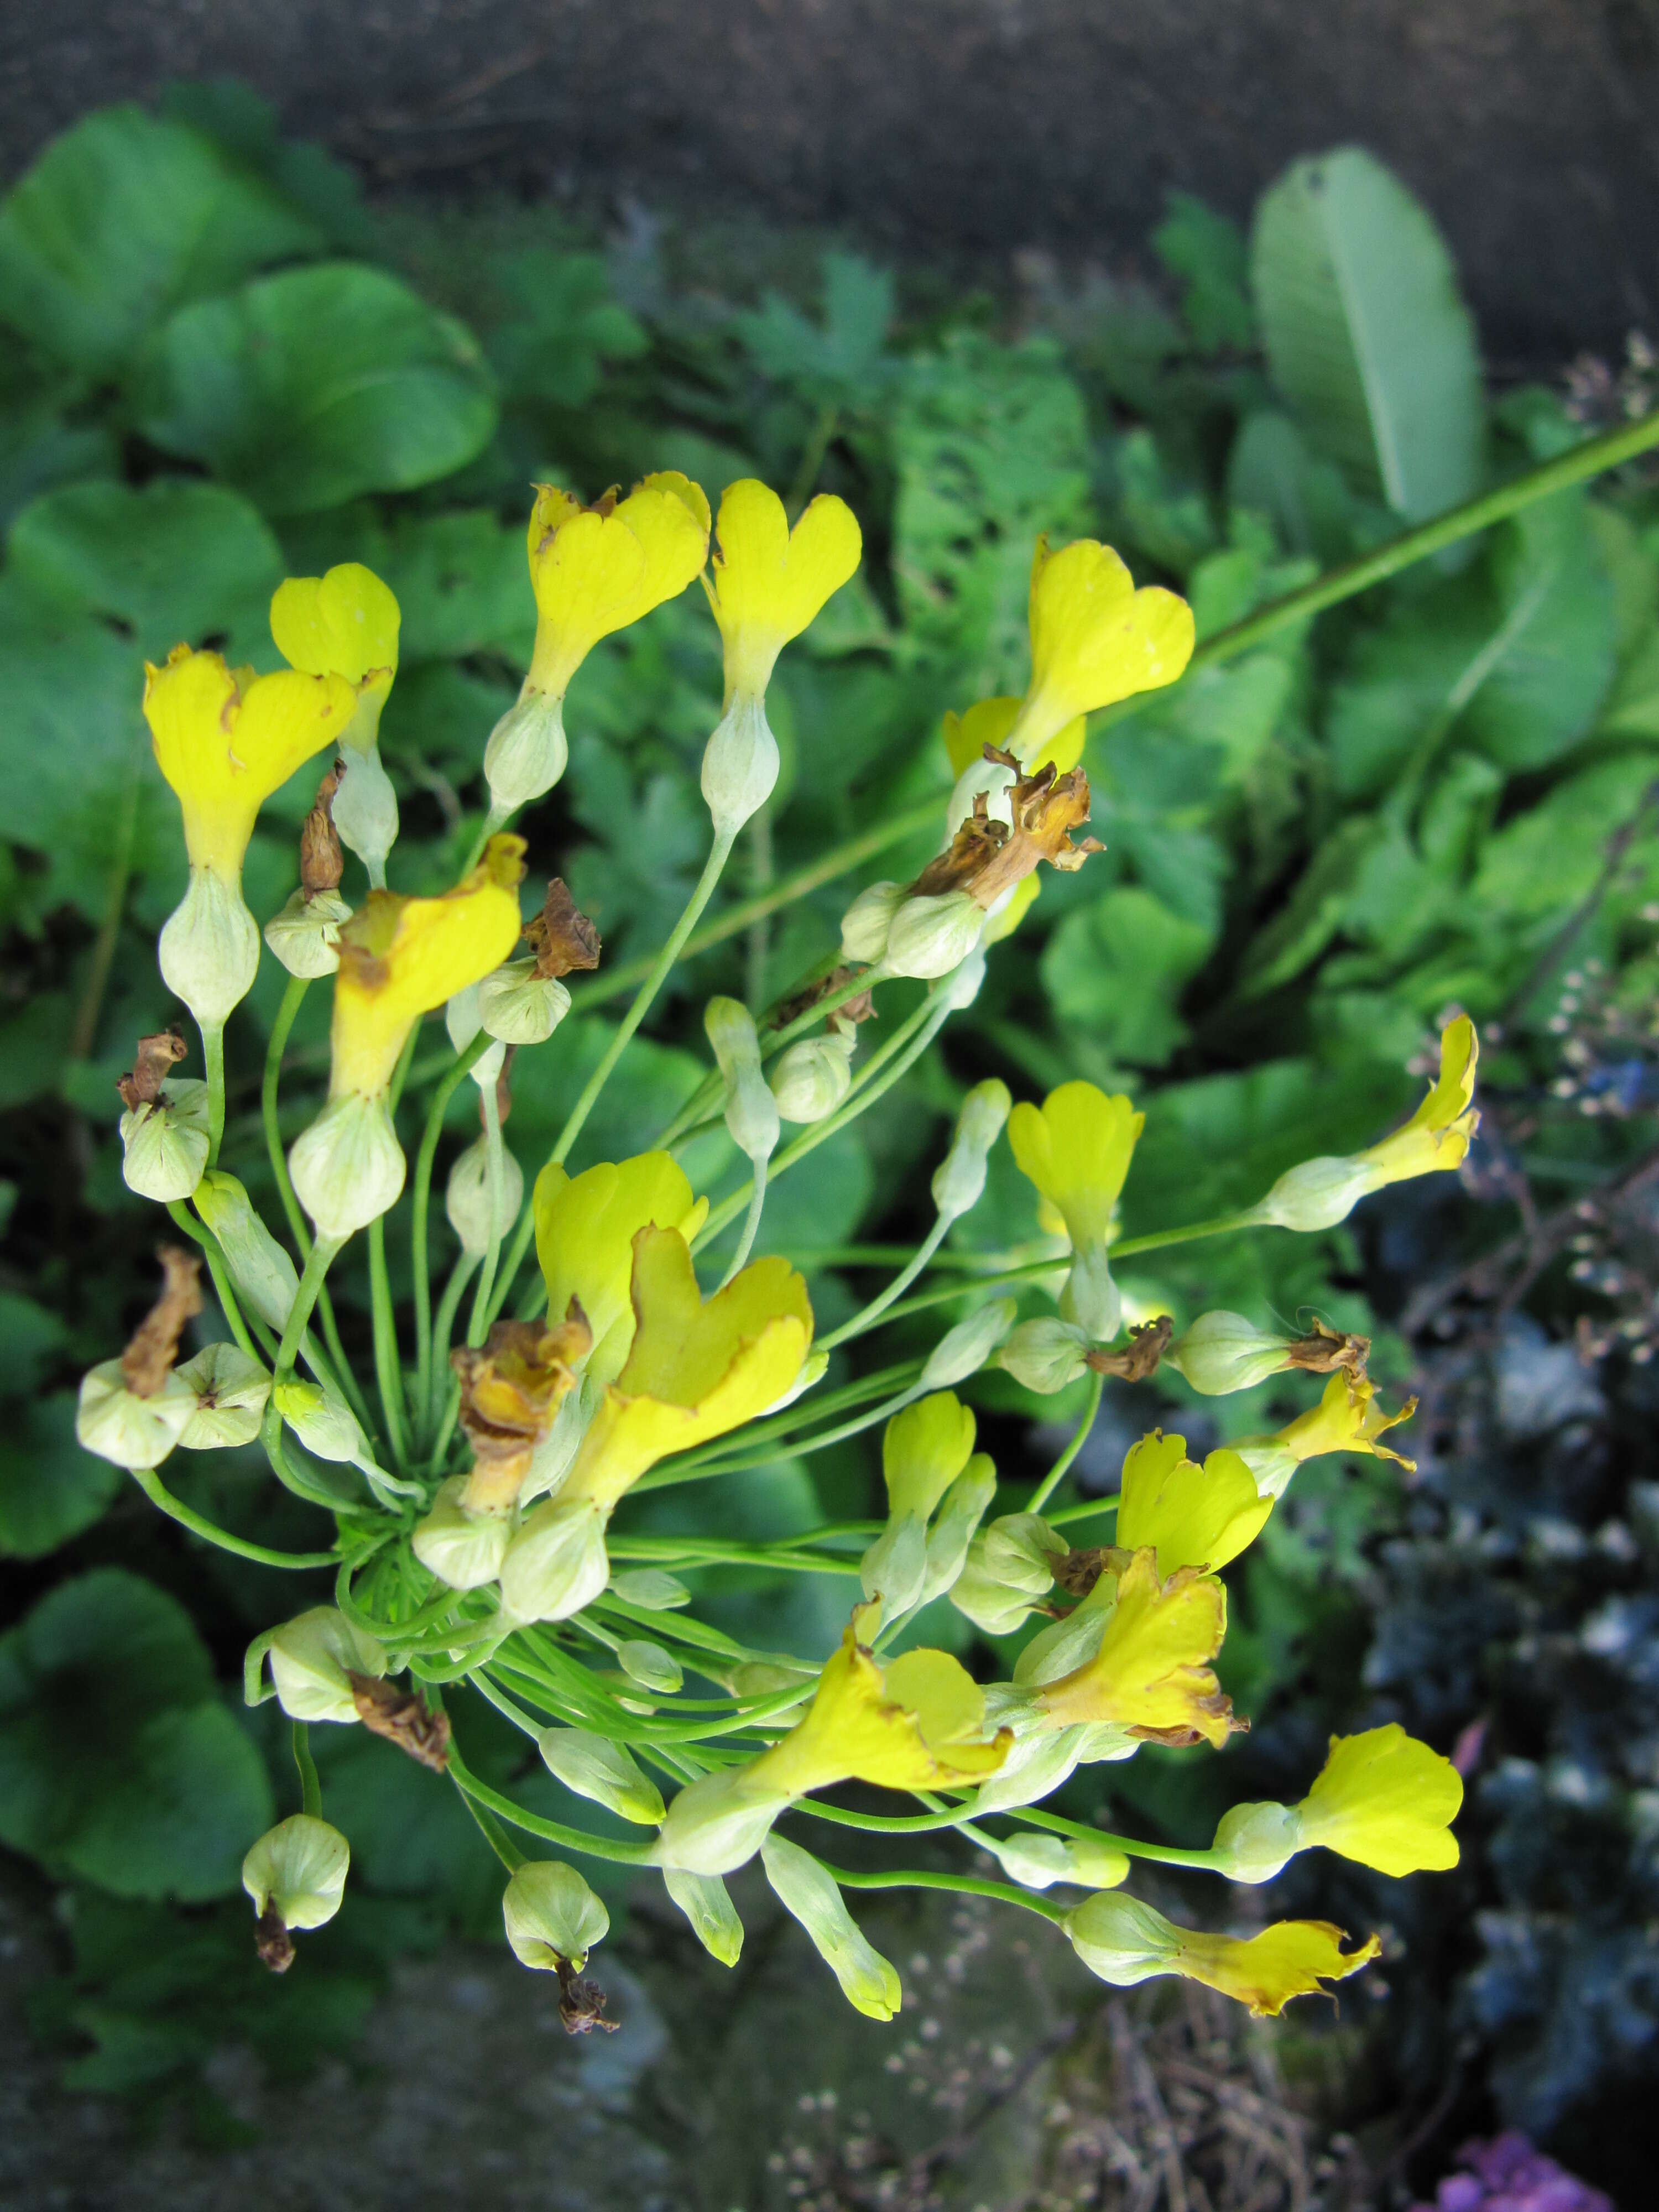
597	569
1347	1419
990	722
1151	1674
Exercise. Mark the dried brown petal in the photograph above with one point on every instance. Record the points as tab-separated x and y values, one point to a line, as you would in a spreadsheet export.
404	1717
987	858
510	1388
150	1063
860	1007
272	1941
581	2003
1078	1572
147	1360
1140	1357
561	937
322	862
1324	1350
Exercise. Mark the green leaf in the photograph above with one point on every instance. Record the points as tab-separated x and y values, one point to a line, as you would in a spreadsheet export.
50	1489
1117	969
1552	655
565	326
117	1761
1403	675
172	563
839	360
122	220
1366	334
1207	250
307	388
1551	857
1271	472
463	586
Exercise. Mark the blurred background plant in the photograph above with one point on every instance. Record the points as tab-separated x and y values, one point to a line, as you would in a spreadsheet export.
221	367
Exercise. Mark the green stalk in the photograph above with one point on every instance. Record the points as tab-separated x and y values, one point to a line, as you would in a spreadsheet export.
213	1056
311	1282
310	1789
752	1220
453	1077
867	1316
571	1839
387	1372
175	1508
966	1885
495	1186
1056	1474
432	1411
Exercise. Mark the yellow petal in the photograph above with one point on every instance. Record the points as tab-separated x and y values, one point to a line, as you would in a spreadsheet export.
1192	1517
1347	1419
1076	1148
918	1726
1095	639
595	573
585	1232
344	623
225	740
1151	1671
1292	1959
1385	1800
400	957
923	1450
1439	1133
771	581
693	494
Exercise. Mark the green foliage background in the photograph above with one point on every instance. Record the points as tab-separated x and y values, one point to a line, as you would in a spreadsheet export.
220	367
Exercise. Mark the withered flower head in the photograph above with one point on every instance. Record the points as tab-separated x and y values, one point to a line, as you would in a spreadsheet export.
987	858
322	862
860	1007
272	1942
510	1388
561	937
147	1360
1323	1351
404	1717
154	1056
1139	1358
581	2003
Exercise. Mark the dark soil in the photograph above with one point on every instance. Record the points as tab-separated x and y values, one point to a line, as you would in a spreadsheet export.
953	129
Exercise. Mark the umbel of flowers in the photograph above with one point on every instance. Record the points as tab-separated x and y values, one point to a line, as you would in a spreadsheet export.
478	1488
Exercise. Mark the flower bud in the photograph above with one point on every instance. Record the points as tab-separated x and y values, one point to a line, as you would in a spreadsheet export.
526	752
462	1023
1317	1195
305	936
1045	1355
365	809
752	1112
1224	1351
810	1080
209	948
967	1347
553	1918
1091	1299
312	1659
1254	1842
864	924
704	1900
231	1390
1037	1862
517	1006
651	1589
348	1167
164	1148
811	1895
118	1424
324	1424
650	1665
556	1563
595	1767
466	1201
717	1823
464	1550
298	1871
739	764
932	933
965	1504
261	1272
959	1181
1008	1572
1121	1939
896	1564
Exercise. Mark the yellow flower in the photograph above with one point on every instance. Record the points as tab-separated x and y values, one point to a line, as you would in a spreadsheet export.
1095	639
399	958
585	1232
1347	1419
916	1723
1075	1149
596	569
989	723
1150	1673
696	1369
770	582
1385	1800
344	623
1320	1192
1124	1942
1192	1517
226	738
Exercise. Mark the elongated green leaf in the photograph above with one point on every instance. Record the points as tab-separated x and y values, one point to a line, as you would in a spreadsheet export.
1366	334
1553	655
307	388
122	220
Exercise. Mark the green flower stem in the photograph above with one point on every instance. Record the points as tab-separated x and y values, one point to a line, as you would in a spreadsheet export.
443	1392
966	1885
454	1075
310	1789
1056	1474
840	860
696	1111
553	1832
867	1316
491	1830
1575	466
883	1069
1166	1855
884	1824
222	1287
752	1221
318	1263
1087	1512
691	1552
496	1187
175	1508
387	1370
213	1057
497	1696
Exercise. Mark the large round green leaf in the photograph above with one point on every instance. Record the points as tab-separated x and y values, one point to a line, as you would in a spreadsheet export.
117	1762
1365	330
124	219
307	388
